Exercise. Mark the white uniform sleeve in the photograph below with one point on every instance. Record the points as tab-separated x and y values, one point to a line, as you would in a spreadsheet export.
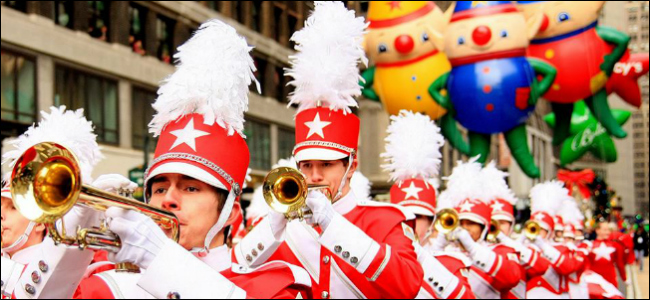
11	272
258	246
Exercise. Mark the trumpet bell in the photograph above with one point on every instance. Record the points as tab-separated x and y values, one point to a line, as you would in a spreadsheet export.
46	183
447	220
532	230
285	190
493	233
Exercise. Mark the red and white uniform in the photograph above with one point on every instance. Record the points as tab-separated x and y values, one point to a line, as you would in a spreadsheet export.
502	277
366	252
531	265
555	282
13	267
445	275
173	276
605	259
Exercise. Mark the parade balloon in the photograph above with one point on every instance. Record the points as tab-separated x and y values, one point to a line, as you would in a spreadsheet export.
585	55
402	44
492	87
625	80
586	135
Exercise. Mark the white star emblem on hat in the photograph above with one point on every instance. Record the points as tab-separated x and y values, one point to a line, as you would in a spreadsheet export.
317	126
466	206
187	136
604	252
497	206
539	217
412	191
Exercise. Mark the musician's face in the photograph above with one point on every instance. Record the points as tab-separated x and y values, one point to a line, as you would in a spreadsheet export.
196	204
423	226
14	226
505	227
475	230
329	173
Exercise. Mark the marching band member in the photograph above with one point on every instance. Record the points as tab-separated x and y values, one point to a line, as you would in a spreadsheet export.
503	203
492	273
350	249
30	254
571	215
547	199
605	257
413	159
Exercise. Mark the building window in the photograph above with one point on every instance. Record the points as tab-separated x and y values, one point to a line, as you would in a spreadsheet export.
286	142
137	16
238	11
258	137
98	19
214	5
279	19
17	5
164	39
63	11
18	88
96	95
260	65
256	19
142	113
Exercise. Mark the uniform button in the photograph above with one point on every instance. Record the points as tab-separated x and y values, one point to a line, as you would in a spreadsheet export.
436	284
43	266
2	284
482	265
254	253
249	258
354	260
36	278
430	279
346	255
441	289
173	295
325	295
326	260
30	289
260	247
338	249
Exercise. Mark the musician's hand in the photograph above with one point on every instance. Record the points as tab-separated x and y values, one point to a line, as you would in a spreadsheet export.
142	239
322	210
115	184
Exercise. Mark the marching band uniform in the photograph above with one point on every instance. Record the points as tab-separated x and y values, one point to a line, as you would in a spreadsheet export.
413	163
360	249
547	199
605	259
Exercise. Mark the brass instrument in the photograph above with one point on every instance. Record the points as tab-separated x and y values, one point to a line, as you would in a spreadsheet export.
494	232
532	230
285	191
447	220
46	185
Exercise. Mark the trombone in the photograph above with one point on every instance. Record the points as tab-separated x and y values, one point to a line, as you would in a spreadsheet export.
285	191
46	185
532	230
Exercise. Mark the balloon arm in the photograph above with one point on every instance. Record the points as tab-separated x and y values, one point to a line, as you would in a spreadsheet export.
603	113
480	145
619	40
436	92
548	73
450	131
517	140
367	84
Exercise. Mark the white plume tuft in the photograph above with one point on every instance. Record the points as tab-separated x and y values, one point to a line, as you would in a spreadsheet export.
549	197
258	207
286	163
67	128
495	185
329	48
570	212
464	183
361	186
214	70
413	147
248	179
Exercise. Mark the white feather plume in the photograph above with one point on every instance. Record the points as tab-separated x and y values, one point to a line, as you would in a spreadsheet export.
495	185
248	179
463	183
67	128
258	207
286	163
213	72
325	69
570	212
361	186
549	197
413	147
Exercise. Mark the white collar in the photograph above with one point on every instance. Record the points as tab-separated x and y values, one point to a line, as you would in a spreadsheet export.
346	204
218	259
26	255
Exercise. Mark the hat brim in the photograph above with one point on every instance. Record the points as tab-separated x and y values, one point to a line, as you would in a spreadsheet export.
419	211
503	217
6	194
187	170
319	154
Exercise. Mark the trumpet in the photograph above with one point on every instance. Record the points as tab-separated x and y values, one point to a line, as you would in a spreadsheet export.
285	191
447	221
46	185
532	230
493	233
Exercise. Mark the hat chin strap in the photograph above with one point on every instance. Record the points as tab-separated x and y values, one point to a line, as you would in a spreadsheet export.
223	218
22	240
339	193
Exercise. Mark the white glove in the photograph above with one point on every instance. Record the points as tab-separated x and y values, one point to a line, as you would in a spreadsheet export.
440	243
525	253
115	184
278	224
628	282
142	239
465	239
549	251
322	210
80	217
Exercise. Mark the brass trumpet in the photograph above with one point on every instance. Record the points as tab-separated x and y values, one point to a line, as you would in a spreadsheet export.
285	191
532	230
493	233
46	185
447	220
